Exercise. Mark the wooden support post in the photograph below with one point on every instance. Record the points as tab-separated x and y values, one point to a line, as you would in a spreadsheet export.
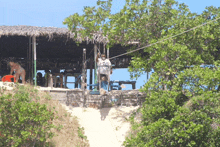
84	85
65	80
61	80
55	80
27	63
50	81
108	52
0	59
29	60
77	81
95	54
103	48
1	50
133	85
90	78
32	61
119	85
35	58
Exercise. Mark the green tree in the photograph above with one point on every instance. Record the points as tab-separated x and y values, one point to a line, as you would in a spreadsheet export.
182	102
92	21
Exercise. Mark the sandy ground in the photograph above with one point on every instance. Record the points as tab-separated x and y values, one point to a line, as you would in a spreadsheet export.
106	127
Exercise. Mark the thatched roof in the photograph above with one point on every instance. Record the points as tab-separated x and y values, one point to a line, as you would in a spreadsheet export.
23	30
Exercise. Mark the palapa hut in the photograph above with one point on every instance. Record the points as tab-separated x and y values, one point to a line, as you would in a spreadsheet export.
55	48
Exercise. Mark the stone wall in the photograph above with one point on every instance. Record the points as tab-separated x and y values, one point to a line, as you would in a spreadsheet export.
115	97
74	97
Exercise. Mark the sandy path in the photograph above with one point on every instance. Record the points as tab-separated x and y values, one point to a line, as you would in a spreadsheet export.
105	127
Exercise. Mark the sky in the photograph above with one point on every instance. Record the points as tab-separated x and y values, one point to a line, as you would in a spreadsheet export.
47	13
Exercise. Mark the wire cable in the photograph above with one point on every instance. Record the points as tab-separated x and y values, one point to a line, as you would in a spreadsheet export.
163	39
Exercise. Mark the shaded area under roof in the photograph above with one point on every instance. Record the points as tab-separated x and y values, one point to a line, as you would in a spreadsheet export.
56	47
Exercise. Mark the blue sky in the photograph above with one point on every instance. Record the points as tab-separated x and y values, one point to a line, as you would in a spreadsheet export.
52	13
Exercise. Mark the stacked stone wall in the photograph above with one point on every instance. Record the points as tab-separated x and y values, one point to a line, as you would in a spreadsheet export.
116	97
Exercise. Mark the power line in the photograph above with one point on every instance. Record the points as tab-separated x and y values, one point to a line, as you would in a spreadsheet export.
164	39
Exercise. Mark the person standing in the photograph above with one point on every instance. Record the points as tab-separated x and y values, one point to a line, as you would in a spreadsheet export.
104	68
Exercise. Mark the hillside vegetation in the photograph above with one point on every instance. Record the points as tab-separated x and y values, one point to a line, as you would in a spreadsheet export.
29	117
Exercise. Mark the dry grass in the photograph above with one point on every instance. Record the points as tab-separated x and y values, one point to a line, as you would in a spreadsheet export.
23	30
66	136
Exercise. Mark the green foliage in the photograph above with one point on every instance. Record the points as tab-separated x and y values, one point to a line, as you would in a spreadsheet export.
207	103
80	133
191	125
162	21
181	116
182	106
199	79
183	100
93	20
24	121
59	127
158	105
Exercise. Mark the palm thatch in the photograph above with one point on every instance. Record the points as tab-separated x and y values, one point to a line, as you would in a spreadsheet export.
23	30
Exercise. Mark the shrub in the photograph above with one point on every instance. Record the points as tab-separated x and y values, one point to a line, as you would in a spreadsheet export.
185	129
24	121
194	124
161	104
